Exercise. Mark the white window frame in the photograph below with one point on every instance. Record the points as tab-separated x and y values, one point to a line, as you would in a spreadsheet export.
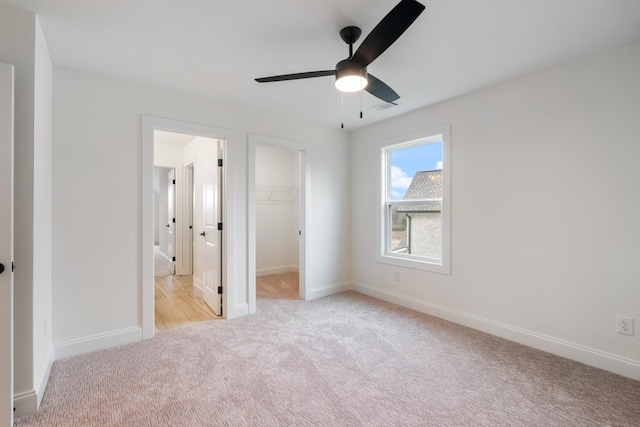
443	266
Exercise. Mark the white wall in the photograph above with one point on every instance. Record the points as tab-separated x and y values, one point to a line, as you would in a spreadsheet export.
544	210
22	44
97	158
277	209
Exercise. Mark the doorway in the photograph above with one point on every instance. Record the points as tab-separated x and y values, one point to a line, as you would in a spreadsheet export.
193	158
277	207
278	195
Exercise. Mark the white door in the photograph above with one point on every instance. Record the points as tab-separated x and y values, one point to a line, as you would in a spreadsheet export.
211	233
171	221
6	245
189	211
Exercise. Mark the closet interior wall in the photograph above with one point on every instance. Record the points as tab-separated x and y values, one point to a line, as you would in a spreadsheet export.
277	210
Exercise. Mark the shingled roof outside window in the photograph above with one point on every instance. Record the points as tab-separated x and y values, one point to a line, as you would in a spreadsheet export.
425	185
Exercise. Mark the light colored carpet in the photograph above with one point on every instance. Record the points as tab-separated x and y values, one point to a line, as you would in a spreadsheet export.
343	360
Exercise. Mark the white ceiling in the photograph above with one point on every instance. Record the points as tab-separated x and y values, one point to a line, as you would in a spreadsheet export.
215	48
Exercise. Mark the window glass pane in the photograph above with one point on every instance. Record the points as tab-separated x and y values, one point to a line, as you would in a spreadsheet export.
416	229
424	161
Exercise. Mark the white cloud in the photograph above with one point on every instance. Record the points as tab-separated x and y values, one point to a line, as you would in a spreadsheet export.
399	178
396	195
439	165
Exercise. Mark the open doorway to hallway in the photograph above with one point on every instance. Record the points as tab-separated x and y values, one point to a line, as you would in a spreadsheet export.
187	205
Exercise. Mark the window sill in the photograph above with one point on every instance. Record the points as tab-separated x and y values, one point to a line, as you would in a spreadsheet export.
399	261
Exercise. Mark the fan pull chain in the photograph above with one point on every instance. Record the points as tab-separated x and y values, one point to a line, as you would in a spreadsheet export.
342	111
361	103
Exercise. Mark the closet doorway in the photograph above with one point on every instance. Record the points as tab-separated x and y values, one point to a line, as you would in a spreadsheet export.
277	237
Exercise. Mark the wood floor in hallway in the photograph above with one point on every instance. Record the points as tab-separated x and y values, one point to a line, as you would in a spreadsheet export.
178	302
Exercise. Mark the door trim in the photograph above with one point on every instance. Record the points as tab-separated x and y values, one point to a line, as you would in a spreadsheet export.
305	197
149	125
7	118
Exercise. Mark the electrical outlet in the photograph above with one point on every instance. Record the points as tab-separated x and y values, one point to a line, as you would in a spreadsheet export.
624	325
396	276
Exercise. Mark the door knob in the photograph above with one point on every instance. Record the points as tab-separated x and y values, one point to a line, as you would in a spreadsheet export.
1	268
203	234
168	225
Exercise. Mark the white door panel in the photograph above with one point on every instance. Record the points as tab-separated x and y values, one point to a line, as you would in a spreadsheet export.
171	220
6	244
212	236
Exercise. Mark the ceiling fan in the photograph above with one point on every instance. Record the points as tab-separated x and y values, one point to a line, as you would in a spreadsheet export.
351	73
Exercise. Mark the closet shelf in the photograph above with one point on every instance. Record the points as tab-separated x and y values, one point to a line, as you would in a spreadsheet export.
277	192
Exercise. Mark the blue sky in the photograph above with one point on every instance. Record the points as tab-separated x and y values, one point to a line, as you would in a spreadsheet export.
405	163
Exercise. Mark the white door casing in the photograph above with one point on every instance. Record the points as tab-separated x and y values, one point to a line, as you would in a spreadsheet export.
6	243
171	220
230	141
211	233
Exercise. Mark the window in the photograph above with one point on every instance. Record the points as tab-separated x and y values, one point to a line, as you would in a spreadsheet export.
415	208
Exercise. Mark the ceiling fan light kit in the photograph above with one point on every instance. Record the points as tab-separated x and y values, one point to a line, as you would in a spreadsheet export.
350	77
351	73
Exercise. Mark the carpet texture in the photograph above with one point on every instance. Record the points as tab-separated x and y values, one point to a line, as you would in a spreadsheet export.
343	360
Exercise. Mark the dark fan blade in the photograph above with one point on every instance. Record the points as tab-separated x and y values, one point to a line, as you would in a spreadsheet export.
297	76
379	89
387	31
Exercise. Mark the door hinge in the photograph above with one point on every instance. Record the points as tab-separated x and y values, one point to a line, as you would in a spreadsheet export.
191	227
174	259
174	220
13	267
219	226
220	162
219	290
174	182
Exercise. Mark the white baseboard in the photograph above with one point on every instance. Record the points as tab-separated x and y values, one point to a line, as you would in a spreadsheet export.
324	291
165	256
27	403
96	342
43	377
198	283
276	270
589	356
239	310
